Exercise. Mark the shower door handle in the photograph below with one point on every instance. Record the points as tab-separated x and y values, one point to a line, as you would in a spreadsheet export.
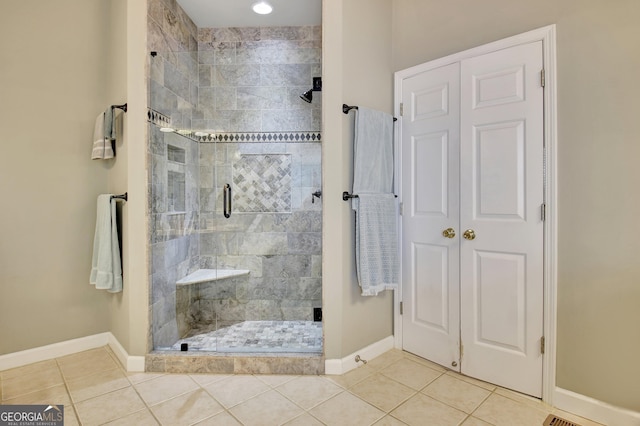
226	191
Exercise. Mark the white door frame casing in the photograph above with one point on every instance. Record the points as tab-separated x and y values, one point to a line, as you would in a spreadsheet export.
548	37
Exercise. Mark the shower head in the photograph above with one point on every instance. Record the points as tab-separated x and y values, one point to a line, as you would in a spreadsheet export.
317	87
307	96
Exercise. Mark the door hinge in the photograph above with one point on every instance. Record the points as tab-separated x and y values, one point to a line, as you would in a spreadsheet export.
401	208
542	78
542	345
401	109
461	351
401	308
543	212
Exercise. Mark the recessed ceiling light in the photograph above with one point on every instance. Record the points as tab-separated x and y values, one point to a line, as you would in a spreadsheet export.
262	8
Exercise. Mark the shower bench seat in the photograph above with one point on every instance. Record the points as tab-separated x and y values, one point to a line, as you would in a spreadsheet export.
206	275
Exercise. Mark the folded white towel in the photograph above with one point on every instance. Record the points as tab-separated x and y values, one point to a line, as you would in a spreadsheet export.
376	242
106	269
102	149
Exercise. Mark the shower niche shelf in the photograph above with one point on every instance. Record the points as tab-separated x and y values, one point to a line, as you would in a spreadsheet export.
207	275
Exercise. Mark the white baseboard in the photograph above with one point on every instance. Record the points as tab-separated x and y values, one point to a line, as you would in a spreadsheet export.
69	347
348	363
55	350
594	409
129	362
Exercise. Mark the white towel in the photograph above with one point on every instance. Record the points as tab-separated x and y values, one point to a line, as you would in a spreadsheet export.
102	148
373	152
106	270
376	242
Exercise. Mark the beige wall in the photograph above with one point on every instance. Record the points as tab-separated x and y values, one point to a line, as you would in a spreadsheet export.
129	317
53	85
357	71
598	145
54	81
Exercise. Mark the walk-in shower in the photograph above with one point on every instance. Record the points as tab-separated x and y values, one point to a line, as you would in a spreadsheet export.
234	182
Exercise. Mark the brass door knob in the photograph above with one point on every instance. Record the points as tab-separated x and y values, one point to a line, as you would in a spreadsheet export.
449	233
469	234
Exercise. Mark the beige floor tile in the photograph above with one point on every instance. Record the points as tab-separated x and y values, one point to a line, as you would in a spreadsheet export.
37	367
304	420
55	395
522	398
573	418
473	421
70	417
86	363
205	379
411	373
87	387
309	391
165	387
31	382
423	410
385	359
456	393
269	408
139	418
382	392
109	407
136	378
236	389
346	409
273	380
354	376
479	383
389	420
424	362
499	410
222	419
187	409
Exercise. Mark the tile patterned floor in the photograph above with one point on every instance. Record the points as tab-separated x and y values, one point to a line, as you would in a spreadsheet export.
260	336
394	389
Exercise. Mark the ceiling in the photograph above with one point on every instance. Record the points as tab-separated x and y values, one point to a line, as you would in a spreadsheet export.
238	13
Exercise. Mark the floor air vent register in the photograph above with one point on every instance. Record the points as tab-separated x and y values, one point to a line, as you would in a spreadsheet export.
557	421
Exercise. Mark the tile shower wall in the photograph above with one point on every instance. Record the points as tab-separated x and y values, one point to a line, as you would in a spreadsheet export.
274	231
173	165
250	81
229	81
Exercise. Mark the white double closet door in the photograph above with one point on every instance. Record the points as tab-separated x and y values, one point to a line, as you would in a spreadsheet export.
472	181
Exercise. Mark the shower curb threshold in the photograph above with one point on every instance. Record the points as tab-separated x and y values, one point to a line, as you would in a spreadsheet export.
201	362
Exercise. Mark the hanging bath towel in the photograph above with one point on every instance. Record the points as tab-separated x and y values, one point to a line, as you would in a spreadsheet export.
376	242
106	269
104	135
375	207
373	152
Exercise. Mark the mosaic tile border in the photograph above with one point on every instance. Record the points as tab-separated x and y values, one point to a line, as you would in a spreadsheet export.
268	137
158	118
161	120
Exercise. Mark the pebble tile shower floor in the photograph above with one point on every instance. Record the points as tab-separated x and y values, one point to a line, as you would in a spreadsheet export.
259	336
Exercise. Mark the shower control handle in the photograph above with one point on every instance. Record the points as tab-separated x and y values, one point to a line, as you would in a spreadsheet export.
226	192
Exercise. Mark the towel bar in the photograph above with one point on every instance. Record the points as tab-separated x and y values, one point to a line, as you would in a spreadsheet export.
122	107
346	196
124	197
346	108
